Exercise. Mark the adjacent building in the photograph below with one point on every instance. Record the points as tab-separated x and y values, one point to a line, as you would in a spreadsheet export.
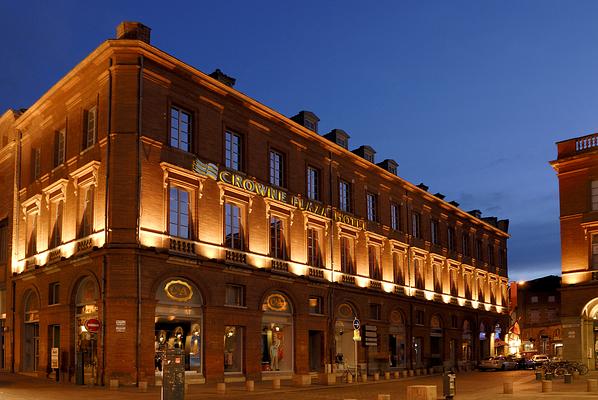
577	170
146	205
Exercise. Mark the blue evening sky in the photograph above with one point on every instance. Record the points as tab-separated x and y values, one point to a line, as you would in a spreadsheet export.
468	96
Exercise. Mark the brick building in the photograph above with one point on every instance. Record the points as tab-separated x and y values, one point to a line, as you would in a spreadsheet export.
577	170
178	212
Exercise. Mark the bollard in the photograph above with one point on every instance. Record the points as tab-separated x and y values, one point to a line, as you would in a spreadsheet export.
220	387
507	387
538	375
568	378
411	372
548	376
349	378
383	396
113	384
592	385
404	373
546	386
387	375
250	386
143	386
364	377
376	376
396	375
421	392
276	383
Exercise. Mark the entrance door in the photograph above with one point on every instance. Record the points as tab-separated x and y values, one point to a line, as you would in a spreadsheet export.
452	352
393	350
316	339
31	348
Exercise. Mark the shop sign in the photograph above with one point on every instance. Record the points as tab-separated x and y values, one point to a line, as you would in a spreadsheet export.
571	334
54	357
121	326
251	185
370	335
93	325
178	290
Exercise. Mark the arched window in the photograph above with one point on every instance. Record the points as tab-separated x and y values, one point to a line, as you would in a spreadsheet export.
277	333
31	332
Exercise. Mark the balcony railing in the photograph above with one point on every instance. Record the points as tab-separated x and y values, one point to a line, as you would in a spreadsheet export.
375	285
315	273
84	244
54	256
348	279
182	246
237	257
586	142
278	265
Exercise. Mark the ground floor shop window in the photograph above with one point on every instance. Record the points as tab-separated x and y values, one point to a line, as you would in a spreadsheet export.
396	346
277	334
233	349
31	332
86	342
418	352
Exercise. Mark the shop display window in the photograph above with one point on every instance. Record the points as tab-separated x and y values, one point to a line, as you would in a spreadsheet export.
233	349
277	334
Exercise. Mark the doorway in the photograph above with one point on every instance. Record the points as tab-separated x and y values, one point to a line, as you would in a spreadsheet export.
31	333
316	340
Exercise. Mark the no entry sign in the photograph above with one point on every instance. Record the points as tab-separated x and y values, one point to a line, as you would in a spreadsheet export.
92	325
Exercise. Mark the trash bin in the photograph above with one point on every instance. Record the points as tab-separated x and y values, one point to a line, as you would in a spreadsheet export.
448	385
173	382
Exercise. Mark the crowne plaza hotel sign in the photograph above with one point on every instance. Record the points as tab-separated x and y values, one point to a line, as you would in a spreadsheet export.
238	180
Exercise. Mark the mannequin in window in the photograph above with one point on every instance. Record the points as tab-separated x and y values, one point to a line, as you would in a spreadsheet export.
274	348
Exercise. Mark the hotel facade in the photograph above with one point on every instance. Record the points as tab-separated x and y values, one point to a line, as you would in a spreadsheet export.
147	205
577	170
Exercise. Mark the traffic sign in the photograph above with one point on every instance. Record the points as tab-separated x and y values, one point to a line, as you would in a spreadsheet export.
92	325
356	335
356	324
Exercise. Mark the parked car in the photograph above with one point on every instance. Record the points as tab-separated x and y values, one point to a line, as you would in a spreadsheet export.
539	359
523	362
497	362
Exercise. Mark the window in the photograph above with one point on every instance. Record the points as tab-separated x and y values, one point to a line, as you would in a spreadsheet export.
313	182
276	168
594	195
551	299
344	196
534	299
454	287
233	349
437	271
347	265
89	133
232	156
315	305
419	274
465	244
397	266
59	147
180	128
56	223
372	211
234	295
31	234
467	284
375	311
481	290
86	224
490	254
595	251
179	213
36	163
54	293
395	216
478	249
233	228
450	236
416	225
419	317
4	241
434	231
314	253
374	262
454	321
277	239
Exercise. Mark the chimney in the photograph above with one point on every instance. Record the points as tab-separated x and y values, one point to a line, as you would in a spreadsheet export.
475	213
454	203
307	119
503	225
339	137
439	195
223	78
134	31
423	186
389	165
366	152
491	220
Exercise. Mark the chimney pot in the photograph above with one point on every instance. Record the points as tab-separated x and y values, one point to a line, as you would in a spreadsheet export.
134	31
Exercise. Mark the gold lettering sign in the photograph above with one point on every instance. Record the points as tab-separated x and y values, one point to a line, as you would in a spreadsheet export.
277	302
178	291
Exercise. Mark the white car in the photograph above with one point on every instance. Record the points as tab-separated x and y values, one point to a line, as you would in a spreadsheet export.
540	359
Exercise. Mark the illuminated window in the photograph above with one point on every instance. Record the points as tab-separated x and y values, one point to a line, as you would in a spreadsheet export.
347	249
434	231
344	196
314	252
4	241
374	262
397	267
86	223
31	234
234	295
180	128
233	149
56	212
453	283
179	213
467	283
36	163
315	305
450	238
59	147
594	195
372	207
395	216
233	227
437	271
276	168
416	230
89	133
595	251
313	183
277	239
481	290
419	273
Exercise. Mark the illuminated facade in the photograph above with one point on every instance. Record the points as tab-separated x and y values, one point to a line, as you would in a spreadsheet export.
577	171
181	213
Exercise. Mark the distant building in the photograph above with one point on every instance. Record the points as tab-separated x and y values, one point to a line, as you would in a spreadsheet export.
577	170
146	205
538	315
